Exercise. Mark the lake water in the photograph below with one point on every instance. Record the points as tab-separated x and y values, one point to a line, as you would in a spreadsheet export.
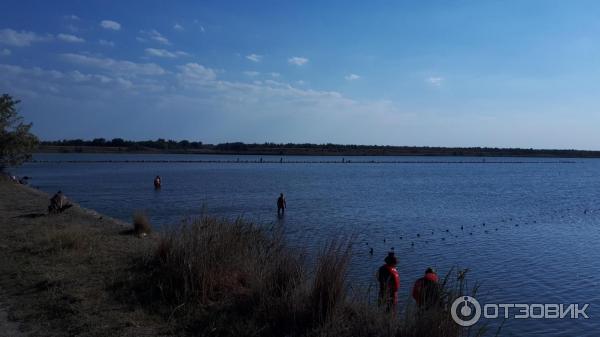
540	242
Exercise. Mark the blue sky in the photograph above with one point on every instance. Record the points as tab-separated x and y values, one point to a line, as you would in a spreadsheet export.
437	73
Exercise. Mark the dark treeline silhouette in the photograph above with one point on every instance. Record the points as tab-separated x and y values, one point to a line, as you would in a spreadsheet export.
185	146
159	144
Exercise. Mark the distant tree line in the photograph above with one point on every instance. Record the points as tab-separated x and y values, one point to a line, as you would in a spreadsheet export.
159	144
309	148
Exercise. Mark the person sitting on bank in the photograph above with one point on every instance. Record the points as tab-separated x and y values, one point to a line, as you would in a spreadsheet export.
58	203
426	290
157	182
389	282
281	205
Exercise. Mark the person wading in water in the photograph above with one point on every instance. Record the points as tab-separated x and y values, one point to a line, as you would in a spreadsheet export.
281	205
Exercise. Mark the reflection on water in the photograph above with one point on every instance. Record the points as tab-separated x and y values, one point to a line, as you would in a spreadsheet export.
528	230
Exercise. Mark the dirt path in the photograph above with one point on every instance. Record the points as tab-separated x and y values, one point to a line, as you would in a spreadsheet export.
57	271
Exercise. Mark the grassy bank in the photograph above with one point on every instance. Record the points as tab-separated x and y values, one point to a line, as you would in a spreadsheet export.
80	273
56	271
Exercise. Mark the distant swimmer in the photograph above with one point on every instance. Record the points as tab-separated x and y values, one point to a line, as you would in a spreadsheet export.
157	182
281	205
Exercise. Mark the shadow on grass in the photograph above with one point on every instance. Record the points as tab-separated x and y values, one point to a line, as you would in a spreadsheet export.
31	216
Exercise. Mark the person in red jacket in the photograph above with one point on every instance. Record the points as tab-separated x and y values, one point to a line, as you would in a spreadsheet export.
426	290
389	282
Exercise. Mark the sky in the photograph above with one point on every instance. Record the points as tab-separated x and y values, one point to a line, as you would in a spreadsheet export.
418	73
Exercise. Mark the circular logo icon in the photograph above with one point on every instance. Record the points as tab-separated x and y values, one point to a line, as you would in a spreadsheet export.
465	311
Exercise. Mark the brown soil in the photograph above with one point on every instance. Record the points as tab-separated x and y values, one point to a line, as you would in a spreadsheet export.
57	272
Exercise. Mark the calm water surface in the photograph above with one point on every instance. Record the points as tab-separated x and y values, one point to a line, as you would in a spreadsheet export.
539	243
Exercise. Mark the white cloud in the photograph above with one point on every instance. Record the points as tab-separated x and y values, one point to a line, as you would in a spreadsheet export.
111	25
164	53
20	39
254	57
124	68
159	53
55	82
5	52
106	43
275	75
436	81
153	35
192	74
351	77
251	73
72	17
178	27
296	60
197	101
70	38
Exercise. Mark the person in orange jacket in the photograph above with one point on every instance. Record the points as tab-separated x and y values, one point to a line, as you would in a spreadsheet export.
389	282
426	290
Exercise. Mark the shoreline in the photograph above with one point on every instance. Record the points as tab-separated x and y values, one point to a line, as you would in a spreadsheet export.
82	273
369	151
56	271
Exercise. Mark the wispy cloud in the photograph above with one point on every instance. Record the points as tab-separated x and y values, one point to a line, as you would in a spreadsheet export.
70	38
275	75
296	60
251	73
110	25
106	43
254	57
153	35
435	81
192	74
20	39
178	27
197	22
5	52
164	53
72	17
56	82
124	68
110	87
351	77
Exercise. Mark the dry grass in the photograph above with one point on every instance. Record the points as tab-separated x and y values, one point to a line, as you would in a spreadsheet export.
238	279
60	240
141	224
329	283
